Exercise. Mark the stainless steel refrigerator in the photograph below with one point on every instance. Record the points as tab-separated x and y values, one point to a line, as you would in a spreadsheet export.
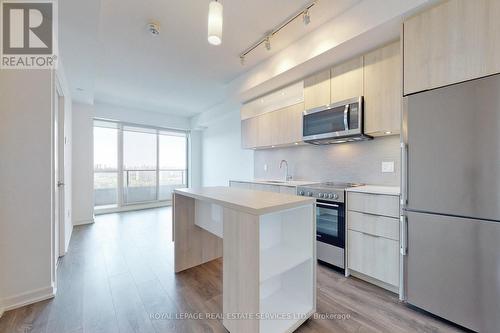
451	203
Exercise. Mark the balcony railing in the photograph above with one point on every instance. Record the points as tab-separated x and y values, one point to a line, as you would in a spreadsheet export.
139	186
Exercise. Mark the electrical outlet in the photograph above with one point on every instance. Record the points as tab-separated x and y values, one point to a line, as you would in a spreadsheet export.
265	167
388	167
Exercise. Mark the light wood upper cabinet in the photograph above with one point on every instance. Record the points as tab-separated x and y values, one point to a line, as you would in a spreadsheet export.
289	124
346	80
455	41
249	132
383	90
317	90
280	127
265	123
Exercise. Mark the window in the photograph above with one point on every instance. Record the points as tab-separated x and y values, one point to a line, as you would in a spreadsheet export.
105	164
154	163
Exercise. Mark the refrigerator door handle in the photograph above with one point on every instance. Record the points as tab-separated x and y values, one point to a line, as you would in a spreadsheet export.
404	175
403	219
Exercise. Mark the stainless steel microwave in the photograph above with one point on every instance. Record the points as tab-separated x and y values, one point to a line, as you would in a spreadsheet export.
335	123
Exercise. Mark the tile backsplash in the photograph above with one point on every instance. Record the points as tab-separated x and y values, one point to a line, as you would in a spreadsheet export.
355	162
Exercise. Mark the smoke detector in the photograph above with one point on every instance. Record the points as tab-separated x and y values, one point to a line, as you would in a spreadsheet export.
154	28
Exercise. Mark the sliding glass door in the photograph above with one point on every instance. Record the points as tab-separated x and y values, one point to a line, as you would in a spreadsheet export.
105	164
135	164
139	165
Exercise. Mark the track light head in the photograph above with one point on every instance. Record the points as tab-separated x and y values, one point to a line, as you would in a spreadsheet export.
268	43
306	17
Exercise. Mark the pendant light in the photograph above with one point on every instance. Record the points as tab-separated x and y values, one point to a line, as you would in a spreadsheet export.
215	22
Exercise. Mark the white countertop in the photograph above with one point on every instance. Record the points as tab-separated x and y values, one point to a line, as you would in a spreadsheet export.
249	201
376	189
291	183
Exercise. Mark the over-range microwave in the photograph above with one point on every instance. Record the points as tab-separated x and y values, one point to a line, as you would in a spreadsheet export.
335	123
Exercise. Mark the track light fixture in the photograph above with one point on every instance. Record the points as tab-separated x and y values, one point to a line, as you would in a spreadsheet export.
306	17
268	43
266	40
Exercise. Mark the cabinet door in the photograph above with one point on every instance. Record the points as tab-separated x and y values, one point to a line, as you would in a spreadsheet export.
383	90
317	90
347	80
457	40
374	256
249	132
265	129
289	124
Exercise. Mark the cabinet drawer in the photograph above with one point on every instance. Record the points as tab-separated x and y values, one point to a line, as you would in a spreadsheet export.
374	256
386	205
376	225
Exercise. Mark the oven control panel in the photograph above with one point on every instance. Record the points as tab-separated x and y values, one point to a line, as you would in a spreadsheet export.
330	195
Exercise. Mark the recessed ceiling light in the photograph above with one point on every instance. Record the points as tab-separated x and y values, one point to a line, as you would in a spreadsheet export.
215	22
388	132
296	143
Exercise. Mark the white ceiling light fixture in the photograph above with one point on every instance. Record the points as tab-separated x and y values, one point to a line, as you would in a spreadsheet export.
215	19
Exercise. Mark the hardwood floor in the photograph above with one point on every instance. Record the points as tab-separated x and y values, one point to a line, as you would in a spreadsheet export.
118	276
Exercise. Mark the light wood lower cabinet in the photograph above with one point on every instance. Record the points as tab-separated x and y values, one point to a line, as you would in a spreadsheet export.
374	256
276	128
455	41
347	80
373	238
383	90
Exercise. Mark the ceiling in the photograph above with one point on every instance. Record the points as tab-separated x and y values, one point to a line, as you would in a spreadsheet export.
109	56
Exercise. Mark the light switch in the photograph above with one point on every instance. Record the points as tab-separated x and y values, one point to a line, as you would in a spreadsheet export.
388	166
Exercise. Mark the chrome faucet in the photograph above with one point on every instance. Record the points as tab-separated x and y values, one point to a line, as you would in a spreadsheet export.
287	176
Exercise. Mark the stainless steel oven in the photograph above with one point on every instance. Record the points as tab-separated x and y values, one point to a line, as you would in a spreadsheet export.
335	123
330	223
330	220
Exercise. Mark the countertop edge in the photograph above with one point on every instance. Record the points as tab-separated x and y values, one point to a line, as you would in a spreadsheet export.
246	209
376	189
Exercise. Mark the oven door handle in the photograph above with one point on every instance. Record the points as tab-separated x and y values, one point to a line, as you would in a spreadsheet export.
327	205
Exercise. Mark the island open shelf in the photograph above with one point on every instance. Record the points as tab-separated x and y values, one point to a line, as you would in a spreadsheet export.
267	244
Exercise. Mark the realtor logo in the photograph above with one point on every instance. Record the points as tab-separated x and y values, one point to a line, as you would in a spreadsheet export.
28	30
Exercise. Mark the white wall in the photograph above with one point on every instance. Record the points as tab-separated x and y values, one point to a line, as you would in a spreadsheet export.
83	164
26	185
195	160
222	156
68	162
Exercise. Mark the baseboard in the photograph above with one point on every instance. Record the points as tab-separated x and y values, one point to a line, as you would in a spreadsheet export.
27	298
83	222
132	207
378	283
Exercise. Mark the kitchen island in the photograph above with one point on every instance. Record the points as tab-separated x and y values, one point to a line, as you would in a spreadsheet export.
267	241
